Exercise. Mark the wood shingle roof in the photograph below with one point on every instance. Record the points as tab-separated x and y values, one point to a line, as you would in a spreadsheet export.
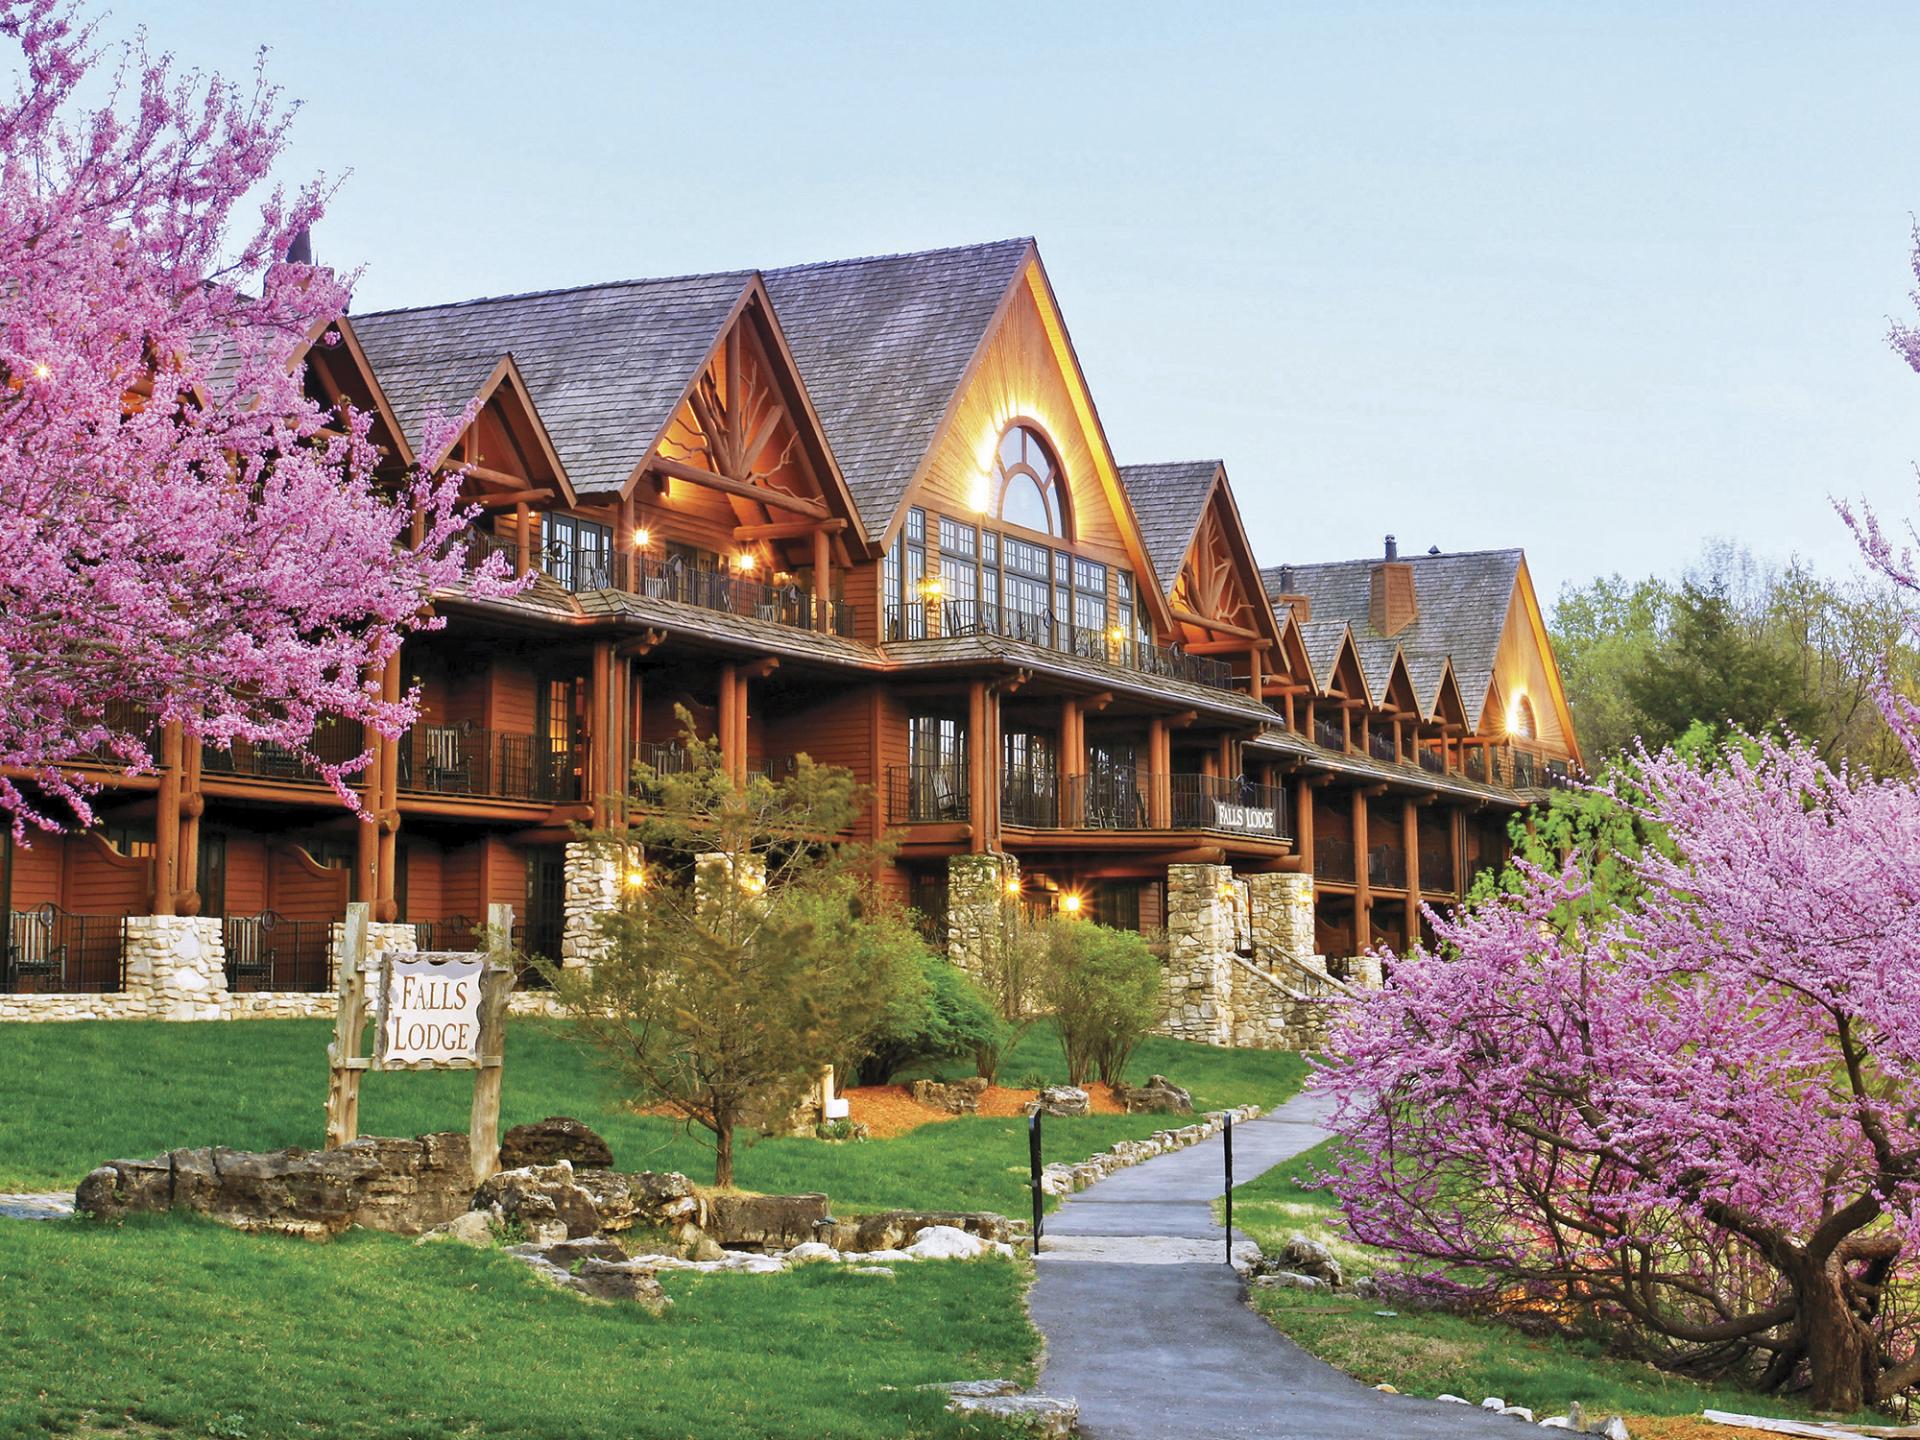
1168	500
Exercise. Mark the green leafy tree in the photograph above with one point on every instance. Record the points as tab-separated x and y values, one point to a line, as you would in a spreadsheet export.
745	955
1105	991
934	1013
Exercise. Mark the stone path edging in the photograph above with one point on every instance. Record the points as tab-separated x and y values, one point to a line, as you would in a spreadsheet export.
1061	1178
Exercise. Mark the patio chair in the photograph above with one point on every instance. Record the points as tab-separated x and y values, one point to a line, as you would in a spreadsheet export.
32	951
449	765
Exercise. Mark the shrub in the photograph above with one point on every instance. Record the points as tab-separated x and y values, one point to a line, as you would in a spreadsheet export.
934	1013
1105	990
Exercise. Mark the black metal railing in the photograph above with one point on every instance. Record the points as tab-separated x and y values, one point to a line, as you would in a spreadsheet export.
463	759
1436	866
579	568
665	757
920	621
733	593
1030	799
478	544
334	742
456	932
927	794
1381	747
1239	807
270	952
1333	858
1387	867
1431	760
1107	800
1327	734
1517	769
52	952
123	717
773	768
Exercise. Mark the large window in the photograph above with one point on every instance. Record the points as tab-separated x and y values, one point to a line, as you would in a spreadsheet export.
578	553
1028	483
903	579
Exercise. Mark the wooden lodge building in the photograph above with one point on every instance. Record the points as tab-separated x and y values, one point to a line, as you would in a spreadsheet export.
864	510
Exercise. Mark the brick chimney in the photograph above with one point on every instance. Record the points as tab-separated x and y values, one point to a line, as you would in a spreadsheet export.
1392	605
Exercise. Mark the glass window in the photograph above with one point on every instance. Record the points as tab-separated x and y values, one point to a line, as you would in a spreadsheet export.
578	553
902	578
1029	484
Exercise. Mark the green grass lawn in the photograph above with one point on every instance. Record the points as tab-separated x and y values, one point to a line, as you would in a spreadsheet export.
1429	1353
89	1091
176	1327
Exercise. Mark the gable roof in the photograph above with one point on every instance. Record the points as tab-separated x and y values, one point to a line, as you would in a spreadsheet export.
1323	640
1169	500
882	345
1463	598
606	365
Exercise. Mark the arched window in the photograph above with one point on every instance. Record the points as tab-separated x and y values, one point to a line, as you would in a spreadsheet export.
1523	725
1031	490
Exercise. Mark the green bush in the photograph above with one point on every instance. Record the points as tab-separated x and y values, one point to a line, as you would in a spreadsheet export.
1105	991
934	1013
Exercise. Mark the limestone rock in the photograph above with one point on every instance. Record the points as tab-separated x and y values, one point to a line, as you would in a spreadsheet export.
607	1280
1061	1100
1493	1402
764	1222
558	1137
944	1242
1517	1412
1289	1280
1038	1415
960	1099
569	1253
541	1198
811	1252
382	1183
1453	1399
1310	1257
1159	1096
470	1227
880	1270
894	1229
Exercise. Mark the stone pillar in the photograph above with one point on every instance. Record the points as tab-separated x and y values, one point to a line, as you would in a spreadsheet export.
177	966
717	867
982	910
1200	935
1282	905
591	873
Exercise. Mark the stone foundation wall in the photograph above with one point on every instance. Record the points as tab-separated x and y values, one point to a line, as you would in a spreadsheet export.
1202	916
980	912
1270	1015
592	878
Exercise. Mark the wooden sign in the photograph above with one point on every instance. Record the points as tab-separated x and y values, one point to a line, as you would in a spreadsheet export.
443	1010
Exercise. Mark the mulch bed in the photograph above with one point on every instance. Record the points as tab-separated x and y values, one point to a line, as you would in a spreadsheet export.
889	1110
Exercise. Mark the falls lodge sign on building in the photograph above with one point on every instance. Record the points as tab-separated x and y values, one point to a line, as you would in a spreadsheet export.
863	510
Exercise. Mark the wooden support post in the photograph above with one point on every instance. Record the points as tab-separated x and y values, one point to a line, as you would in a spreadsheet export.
626	577
1410	837
1346	729
1456	845
1303	822
1362	883
977	765
193	805
523	538
166	824
496	989
822	580
600	733
1254	677
729	733
1228	763
386	908
1159	781
345	1063
742	731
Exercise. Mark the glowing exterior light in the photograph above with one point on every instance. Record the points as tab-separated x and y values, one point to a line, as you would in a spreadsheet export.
636	877
42	371
930	587
642	537
1013	888
1116	634
745	561
1070	902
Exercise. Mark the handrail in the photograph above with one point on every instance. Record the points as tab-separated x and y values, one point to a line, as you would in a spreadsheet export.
1110	646
927	793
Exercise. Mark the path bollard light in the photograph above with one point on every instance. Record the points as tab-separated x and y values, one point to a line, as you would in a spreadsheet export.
1227	1133
1033	1163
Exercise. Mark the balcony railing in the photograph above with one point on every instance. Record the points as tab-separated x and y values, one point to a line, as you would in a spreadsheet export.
456	932
464	759
1239	807
1436	868
1517	769
50	952
1106	800
123	717
974	617
927	794
733	594
1381	747
1030	799
270	952
334	742
1387	867
1328	735
1333	858
1431	761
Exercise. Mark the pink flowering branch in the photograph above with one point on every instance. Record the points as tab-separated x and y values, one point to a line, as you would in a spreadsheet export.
186	535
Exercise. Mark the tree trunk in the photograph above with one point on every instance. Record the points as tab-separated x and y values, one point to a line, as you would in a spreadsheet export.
1839	1348
723	1150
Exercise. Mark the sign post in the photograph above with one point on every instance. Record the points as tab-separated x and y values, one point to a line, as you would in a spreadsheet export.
436	1011
1228	1136
1033	1165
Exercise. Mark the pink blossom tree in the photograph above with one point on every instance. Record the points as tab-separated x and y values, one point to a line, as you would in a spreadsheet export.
185	536
1693	1116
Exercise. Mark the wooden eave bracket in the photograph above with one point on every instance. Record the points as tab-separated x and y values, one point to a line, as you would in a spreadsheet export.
649	639
1098	701
759	669
1010	684
1181	719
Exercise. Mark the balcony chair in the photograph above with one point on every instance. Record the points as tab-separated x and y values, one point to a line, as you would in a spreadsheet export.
31	951
251	952
449	762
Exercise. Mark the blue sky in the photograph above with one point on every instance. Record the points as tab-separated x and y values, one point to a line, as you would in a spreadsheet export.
1597	280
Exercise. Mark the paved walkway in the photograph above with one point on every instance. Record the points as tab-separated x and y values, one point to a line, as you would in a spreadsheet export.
1145	1326
40	1205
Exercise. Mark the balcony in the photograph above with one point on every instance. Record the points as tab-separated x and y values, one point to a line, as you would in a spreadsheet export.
1517	769
1119	801
927	794
334	742
465	760
51	952
1109	647
793	605
1236	807
1333	858
1387	867
1328	735
1381	747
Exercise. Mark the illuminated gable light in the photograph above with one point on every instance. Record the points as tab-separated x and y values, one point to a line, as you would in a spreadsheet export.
642	537
1116	634
930	588
745	561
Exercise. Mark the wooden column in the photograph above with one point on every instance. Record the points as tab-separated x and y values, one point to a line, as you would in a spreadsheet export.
1303	822
822	580
1227	767
523	538
1362	886
1159	781
977	818
1456	843
1410	837
166	823
601	735
1073	763
193	805
385	907
728	724
626	577
1346	728
1254	678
